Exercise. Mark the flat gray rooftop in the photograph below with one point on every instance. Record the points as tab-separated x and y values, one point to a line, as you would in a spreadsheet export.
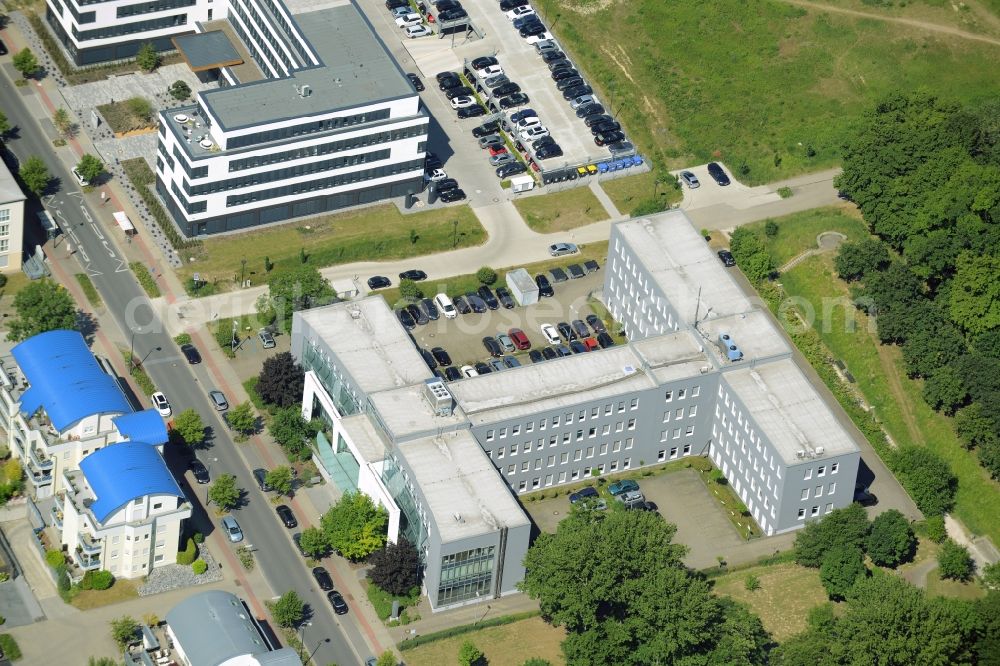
9	190
464	493
406	412
355	70
753	332
789	411
683	265
674	356
207	50
361	431
369	343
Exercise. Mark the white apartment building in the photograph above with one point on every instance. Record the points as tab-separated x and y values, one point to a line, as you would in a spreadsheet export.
122	511
11	221
334	123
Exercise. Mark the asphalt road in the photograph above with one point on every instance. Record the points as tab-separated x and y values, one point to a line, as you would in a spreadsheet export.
91	231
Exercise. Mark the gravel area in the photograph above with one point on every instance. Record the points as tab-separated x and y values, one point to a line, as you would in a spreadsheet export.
175	576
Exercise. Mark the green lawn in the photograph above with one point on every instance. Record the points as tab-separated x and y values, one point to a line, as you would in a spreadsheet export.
961	15
787	592
798	232
561	211
378	233
768	84
952	588
505	645
629	191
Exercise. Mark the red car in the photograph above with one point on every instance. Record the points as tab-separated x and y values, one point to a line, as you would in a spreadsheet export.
590	344
519	339
496	150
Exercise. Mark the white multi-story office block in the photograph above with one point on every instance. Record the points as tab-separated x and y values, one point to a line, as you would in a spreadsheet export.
334	123
11	221
705	374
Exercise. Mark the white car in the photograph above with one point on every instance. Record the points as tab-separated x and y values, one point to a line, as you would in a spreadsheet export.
414	31
161	403
407	20
519	12
402	11
531	121
490	71
462	102
551	334
435	175
534	39
534	133
469	371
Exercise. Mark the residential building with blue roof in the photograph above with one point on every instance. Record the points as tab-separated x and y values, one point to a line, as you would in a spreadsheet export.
58	404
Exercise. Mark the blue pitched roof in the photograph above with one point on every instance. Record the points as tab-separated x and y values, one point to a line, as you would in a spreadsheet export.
145	426
123	472
65	379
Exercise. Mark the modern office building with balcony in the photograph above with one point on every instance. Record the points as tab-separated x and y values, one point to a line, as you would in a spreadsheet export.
705	373
331	122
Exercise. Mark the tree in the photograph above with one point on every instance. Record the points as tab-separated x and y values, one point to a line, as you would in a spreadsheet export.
225	493
314	543
486	275
292	432
841	527
90	167
25	62
124	631
470	655
890	540
955	562
41	306
280	480
770	228
62	121
975	427
298	288
935	529
841	567
395	568
281	381
189	427
927	477
945	390
987	647
991	576
410	290
147	58
179	90
387	658
975	292
4	125
35	175
243	419
855	260
757	267
288	610
355	526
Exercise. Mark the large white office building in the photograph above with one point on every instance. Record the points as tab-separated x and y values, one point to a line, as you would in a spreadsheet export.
705	373
333	123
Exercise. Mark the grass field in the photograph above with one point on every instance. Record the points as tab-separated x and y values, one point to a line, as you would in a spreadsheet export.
122	590
378	233
879	370
767	84
506	645
629	191
970	16
952	588
787	592
798	232
562	210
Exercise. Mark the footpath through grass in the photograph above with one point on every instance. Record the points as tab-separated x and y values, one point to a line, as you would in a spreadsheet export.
378	233
823	299
766	84
562	210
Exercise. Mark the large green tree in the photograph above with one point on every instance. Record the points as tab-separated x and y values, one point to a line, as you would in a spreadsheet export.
842	566
890	541
4	125
42	306
858	258
292	432
25	62
298	288
288	610
225	493
841	527
927	477
90	167
189	427
355	526
616	583
35	175
954	561
975	292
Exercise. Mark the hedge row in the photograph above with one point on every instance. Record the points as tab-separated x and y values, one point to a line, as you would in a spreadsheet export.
141	177
188	555
417	641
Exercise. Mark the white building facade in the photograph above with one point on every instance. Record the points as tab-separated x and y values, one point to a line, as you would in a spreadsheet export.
11	221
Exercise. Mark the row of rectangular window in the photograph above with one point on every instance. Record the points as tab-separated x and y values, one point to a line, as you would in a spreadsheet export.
192	173
818	492
81	17
288	172
595	412
574	475
661	455
814	511
820	470
150	7
120	29
324	183
311	127
255	20
329	147
590	451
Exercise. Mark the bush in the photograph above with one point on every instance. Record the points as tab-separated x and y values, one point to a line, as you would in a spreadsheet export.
955	562
102	580
145	279
188	555
409	289
890	541
486	275
199	567
10	648
771	228
62	579
54	558
470	655
751	583
927	477
935	530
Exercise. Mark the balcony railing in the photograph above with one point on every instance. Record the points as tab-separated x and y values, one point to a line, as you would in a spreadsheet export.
88	545
57	516
41	461
40	480
86	562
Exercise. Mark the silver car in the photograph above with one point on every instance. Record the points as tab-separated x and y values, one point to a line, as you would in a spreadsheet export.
232	529
690	180
219	401
505	342
501	158
490	140
560	249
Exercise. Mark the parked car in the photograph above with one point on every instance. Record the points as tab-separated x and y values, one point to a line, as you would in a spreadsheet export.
578	347
461	305
452	195
199	471
550	333
596	119
563	350
418	85
518	12
595	323
605	126
556	55
580	328
549	151
260	476
286	515
462	101
623	486
523	114
218	400
323	578
727	258
505	298
561	249
563	73
532	133
492	346
232	529
569	82
491	301
535	356
441	356
581	101
413	274
508	170
566	331
718	174
486	129
414	31
266	339
511	362
491	141
417	314
605	138
379	282
517	99
191	354
161	403
337	601
451	373
545	289
549	353
690	180
506	89
482	62
435	175
471	112
406	319
428	358
605	340
501	158
427	305
506	344
507	5
582	494
452	14
519	338
482	368
577	91
477	304
588	109
407	20
469	371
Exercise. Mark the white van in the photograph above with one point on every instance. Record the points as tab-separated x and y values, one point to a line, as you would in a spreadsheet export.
445	305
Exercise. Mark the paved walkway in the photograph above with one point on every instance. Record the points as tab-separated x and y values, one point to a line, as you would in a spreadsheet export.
981	548
609	205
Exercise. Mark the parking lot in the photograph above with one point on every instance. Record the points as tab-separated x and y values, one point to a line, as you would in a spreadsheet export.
462	337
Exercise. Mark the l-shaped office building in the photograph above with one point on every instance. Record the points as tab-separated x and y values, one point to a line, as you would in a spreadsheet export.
704	373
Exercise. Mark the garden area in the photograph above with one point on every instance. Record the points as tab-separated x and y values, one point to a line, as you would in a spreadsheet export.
131	116
560	211
780	98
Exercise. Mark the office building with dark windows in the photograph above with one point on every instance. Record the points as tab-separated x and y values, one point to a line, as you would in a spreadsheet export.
705	373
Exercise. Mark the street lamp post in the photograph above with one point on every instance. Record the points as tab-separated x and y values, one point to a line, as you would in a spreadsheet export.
302	637
243	271
131	350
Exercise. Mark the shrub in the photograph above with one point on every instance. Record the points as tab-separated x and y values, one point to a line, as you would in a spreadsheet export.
62	579
470	655
10	648
54	558
198	537
770	228
955	562
188	555
102	580
751	583
199	567
409	289
935	530
486	275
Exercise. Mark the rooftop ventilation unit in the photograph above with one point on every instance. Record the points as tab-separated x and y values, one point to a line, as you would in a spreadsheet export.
628	370
820	450
304	91
800	454
733	352
439	397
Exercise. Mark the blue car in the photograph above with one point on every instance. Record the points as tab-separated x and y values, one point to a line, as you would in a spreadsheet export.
623	486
